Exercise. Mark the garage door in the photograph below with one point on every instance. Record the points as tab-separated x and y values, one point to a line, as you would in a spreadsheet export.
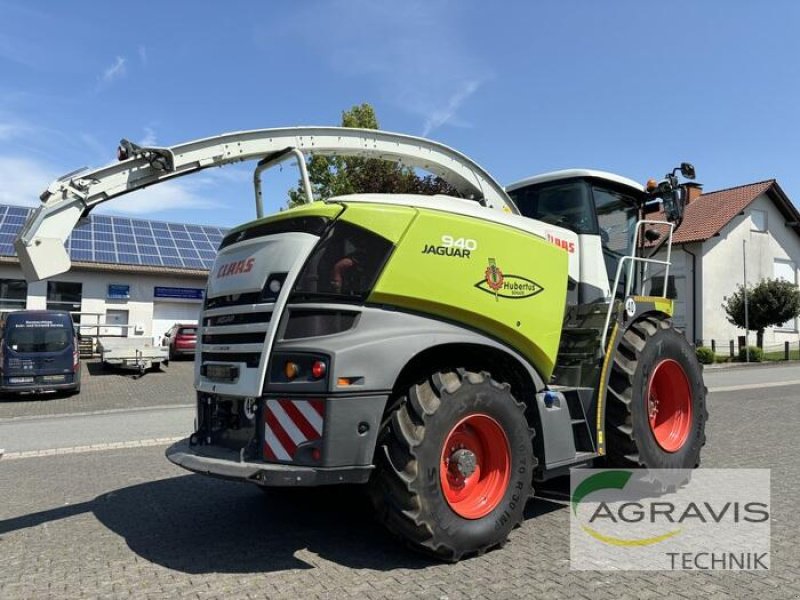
165	314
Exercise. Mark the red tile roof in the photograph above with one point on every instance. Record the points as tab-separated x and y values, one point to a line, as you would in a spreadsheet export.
708	214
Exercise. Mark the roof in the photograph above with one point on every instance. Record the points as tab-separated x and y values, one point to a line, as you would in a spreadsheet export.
125	244
572	173
705	216
452	205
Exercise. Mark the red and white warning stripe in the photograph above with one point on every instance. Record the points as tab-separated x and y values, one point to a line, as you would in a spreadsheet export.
290	423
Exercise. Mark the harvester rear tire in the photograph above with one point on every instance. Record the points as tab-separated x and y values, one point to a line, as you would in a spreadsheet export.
656	412
454	465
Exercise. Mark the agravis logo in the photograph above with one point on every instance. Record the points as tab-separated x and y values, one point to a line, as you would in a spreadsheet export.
610	480
686	519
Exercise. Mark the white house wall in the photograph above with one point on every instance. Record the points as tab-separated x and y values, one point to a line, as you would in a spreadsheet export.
723	268
95	291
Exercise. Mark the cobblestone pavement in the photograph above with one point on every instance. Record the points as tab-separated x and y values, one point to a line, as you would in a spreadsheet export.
126	523
110	389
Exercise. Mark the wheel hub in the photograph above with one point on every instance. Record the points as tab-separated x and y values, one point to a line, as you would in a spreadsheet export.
475	466
463	463
652	406
669	405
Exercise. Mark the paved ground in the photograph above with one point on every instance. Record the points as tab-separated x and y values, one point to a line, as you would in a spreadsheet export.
109	390
125	523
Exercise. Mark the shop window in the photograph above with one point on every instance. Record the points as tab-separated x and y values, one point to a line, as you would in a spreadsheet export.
65	295
13	294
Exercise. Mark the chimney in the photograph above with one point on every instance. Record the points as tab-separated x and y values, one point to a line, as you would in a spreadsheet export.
694	191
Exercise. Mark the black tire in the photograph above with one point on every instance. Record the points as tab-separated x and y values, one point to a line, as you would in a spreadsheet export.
406	490
631	442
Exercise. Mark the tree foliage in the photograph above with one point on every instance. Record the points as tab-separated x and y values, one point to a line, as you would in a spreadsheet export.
769	303
338	175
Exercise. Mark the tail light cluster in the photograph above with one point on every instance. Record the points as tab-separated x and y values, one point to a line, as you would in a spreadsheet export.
306	368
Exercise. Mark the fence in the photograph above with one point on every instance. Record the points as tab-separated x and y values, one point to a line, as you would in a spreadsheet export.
730	350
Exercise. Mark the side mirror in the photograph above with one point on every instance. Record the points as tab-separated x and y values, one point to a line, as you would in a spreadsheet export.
674	204
687	170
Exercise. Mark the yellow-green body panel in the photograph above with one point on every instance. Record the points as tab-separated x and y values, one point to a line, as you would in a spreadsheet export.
498	280
387	221
495	279
661	304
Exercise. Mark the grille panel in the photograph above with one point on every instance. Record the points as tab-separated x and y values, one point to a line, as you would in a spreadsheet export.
251	359
255	337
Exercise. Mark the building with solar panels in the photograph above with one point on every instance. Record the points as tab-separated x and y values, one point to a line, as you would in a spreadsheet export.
129	276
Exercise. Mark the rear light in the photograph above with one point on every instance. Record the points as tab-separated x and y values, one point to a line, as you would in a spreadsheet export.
318	369
291	370
76	358
298	368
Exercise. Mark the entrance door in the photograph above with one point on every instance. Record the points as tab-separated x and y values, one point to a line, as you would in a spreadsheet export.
166	314
116	316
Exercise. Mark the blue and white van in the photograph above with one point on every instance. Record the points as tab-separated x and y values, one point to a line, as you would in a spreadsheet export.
39	352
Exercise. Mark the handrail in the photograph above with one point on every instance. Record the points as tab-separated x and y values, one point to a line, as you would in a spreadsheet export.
632	259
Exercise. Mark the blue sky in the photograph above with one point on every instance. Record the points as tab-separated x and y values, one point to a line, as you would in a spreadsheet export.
632	87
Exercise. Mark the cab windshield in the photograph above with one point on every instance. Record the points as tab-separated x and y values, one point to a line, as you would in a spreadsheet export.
567	205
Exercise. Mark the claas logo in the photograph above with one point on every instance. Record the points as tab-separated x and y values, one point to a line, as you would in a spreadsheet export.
236	267
565	244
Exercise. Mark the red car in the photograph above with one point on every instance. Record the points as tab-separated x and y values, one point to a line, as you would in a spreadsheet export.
181	339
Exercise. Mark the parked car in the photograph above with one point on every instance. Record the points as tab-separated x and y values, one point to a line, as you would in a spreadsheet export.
39	352
181	339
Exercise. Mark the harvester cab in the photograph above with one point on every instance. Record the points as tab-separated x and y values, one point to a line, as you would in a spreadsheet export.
445	351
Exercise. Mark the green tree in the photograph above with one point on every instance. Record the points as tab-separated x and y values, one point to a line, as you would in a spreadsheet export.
336	176
769	303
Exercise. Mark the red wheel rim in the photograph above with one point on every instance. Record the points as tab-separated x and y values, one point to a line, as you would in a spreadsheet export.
475	466
669	405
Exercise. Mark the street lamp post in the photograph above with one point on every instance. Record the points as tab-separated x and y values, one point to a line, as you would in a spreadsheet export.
746	319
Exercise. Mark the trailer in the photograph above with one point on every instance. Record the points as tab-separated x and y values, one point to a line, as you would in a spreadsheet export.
139	354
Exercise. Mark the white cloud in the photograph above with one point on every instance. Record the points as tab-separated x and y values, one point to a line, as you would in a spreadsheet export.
439	117
13	130
414	51
168	196
149	138
115	71
23	180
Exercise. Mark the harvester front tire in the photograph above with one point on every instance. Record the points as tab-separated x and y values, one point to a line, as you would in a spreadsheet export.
454	465
656	412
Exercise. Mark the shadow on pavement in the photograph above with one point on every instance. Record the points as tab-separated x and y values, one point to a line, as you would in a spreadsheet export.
194	524
99	369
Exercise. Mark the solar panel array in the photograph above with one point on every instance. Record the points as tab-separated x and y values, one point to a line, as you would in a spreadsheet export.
122	240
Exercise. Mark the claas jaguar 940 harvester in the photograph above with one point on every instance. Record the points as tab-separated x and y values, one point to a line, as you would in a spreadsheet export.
447	352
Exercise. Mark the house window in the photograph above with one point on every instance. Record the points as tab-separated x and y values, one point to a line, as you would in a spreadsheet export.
13	294
65	295
657	287
758	220
786	270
